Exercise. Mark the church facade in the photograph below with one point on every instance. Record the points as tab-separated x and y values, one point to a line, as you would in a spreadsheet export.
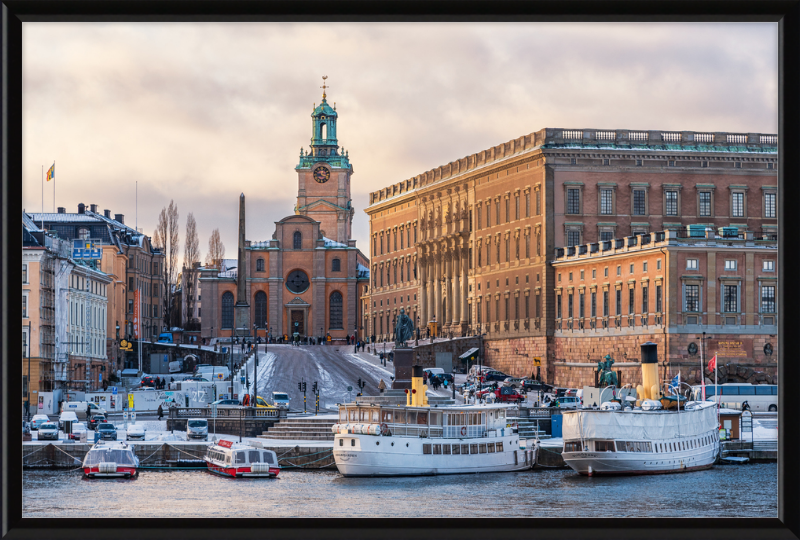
308	277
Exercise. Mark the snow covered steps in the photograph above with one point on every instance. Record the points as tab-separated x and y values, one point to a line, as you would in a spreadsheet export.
302	429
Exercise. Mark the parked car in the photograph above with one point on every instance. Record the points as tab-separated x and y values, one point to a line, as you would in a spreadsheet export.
568	402
532	385
67	416
504	393
95	420
107	431
77	429
227	403
513	382
48	430
197	428
38	420
438	372
165	337
135	432
148	381
495	376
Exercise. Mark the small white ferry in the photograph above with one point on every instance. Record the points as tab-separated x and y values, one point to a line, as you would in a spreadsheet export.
416	439
646	439
110	459
237	460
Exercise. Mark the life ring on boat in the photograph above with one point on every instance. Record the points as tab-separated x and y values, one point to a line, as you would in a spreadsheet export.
463	430
384	429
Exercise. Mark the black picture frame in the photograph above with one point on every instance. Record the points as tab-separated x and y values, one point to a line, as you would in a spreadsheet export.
14	13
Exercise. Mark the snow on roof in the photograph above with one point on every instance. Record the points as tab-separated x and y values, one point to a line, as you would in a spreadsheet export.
333	243
28	223
113	222
229	264
362	270
65	218
259	244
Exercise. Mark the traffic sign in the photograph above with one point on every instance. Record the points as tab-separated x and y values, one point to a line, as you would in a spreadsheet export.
537	361
114	390
130	401
349	388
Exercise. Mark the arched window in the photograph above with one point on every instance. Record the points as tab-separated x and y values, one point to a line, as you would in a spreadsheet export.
227	310
323	131
336	265
260	265
261	309
336	304
83	234
298	240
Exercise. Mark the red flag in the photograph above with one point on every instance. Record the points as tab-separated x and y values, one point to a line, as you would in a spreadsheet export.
712	363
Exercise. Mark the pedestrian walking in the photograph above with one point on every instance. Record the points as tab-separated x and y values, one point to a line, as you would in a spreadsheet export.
381	386
160	412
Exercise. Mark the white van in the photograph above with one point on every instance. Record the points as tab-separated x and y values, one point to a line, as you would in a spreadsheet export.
219	373
280	400
80	408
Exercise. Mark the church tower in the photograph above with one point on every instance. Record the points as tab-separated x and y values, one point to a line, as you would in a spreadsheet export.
324	171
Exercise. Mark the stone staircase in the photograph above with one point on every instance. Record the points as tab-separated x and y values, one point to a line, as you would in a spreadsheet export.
526	428
305	428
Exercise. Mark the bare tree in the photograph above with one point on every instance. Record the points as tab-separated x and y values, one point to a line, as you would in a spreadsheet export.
216	250
191	255
166	239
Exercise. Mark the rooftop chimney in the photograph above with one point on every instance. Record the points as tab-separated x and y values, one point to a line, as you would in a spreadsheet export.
93	208
62	210
120	218
81	208
107	213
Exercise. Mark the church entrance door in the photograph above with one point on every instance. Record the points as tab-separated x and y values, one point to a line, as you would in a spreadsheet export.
298	322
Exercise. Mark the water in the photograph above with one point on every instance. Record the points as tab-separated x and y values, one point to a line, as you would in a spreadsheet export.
723	491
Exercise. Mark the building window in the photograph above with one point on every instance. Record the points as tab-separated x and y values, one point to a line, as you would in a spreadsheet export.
298	240
730	264
644	266
527	246
580	305
508	248
705	203
516	206
692	298
336	265
83	234
769	205
638	162
691	264
671	199
415	233
569	305
480	253
260	302
516	247
558	306
573	238
335	312
639	202
24	273
658	298
605	303
737	204
25	307
573	201
260	265
227	310
488	214
606	162
631	301
768	266
730	299
619	302
478	212
538	203
606	236
768	299
573	161
594	304
538	306
497	212
606	202
645	297
527	204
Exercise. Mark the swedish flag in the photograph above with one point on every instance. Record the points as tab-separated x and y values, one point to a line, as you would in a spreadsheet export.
51	172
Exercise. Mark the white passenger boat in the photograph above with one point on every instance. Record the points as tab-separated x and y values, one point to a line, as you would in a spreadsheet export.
237	460
110	459
647	439
417	439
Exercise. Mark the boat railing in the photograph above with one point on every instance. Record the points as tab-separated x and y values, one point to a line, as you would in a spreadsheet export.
224	412
437	432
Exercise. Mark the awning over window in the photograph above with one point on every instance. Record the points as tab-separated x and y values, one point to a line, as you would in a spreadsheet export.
470	354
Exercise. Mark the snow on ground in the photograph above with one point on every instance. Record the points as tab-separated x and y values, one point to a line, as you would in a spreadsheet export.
382	373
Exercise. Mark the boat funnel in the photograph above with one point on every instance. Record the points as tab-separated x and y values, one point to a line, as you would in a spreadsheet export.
417	395
650	389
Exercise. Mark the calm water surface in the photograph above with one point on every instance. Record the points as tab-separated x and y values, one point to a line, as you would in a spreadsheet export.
724	491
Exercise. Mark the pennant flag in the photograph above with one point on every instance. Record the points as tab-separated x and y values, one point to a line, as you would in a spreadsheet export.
712	363
51	172
676	381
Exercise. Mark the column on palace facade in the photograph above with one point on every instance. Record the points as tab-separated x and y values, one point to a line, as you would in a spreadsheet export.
437	285
422	261
455	291
464	257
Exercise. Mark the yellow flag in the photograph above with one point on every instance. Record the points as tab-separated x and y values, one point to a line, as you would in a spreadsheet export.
51	172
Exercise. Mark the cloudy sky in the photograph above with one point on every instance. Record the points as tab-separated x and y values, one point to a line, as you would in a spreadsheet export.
201	112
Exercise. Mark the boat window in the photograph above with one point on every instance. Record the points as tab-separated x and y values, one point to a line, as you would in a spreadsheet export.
648	447
426	448
241	457
482	448
341	442
386	416
437	448
352	442
268	457
342	416
353	414
604	446
473	448
445	449
228	460
376	415
621	446
436	418
490	448
400	417
457	449
422	418
255	456
411	417
499	447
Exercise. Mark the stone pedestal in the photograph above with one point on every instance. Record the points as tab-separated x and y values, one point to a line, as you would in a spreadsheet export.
241	319
403	360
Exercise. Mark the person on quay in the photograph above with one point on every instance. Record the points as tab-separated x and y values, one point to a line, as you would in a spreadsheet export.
381	386
160	412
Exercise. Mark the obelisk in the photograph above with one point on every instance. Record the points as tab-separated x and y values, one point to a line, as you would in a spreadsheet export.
242	308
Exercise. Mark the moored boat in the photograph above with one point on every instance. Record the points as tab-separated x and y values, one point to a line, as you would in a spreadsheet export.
240	460
417	439
110	459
